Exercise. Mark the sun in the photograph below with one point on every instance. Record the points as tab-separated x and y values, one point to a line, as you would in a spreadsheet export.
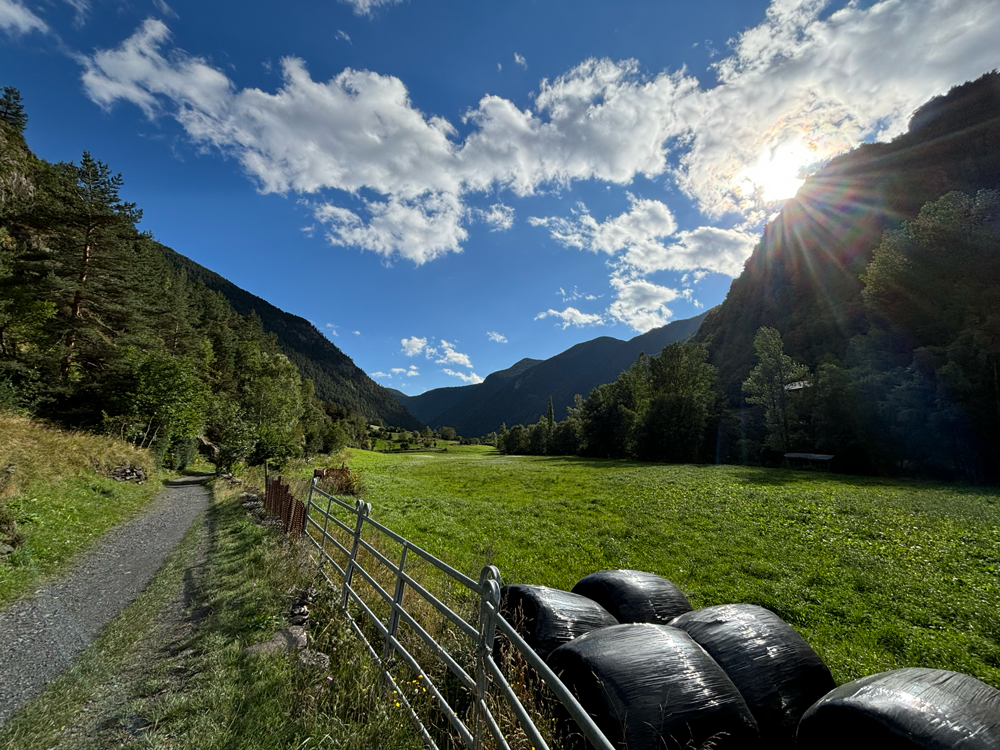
776	173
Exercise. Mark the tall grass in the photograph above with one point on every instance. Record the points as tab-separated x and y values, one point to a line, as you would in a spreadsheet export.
56	497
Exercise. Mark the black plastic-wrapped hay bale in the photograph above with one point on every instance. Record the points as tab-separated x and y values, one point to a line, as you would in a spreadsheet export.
547	618
776	671
651	686
634	595
905	709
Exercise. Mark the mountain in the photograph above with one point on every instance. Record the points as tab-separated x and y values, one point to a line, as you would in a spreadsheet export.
334	374
803	277
427	406
520	394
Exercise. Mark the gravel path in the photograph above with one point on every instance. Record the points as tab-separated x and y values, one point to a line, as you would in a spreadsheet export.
40	637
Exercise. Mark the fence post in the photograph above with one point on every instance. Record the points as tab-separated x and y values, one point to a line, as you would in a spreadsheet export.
362	509
489	583
397	601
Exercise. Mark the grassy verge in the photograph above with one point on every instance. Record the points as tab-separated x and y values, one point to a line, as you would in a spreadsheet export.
191	686
875	574
56	497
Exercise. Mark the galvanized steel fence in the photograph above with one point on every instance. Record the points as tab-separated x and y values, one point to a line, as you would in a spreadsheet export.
487	684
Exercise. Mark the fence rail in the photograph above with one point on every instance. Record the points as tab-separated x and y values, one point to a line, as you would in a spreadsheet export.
480	635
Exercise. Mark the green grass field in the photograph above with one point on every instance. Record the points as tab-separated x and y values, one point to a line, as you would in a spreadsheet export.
875	574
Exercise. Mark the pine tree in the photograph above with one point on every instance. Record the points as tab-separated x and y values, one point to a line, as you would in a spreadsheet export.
551	415
12	110
91	244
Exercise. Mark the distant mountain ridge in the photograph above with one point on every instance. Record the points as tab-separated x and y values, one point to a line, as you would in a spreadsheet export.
334	374
520	394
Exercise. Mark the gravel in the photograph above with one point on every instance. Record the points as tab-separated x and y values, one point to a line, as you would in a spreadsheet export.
40	636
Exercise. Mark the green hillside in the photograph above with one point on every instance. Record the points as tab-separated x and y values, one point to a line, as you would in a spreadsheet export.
804	277
334	374
881	279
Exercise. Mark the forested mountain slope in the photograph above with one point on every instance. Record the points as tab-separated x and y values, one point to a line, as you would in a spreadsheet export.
520	394
804	277
333	373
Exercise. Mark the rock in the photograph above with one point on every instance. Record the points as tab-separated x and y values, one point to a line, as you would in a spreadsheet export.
285	641
313	660
5	549
129	473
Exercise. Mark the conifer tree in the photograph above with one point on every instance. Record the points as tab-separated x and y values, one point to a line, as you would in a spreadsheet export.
12	110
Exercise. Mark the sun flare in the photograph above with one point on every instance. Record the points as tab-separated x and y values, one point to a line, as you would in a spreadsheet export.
776	173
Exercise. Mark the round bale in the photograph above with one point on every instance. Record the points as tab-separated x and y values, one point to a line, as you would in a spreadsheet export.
651	686
776	671
547	618
906	709
634	595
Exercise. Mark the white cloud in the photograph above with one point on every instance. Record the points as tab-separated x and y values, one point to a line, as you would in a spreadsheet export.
380	374
709	248
341	34
165	9
418	230
397	370
470	378
356	333
801	88
794	90
575	295
81	8
645	221
497	337
499	217
641	304
332	329
644	240
367	7
16	19
451	357
572	317
413	346
412	372
519	59
600	120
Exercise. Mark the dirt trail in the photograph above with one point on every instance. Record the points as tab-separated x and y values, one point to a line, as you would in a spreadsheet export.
40	636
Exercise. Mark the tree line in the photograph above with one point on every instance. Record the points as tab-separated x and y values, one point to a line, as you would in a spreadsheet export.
917	393
99	331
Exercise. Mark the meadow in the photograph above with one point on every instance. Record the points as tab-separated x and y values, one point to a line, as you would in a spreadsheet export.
876	574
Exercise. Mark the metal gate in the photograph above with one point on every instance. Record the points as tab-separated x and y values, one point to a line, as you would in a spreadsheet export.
321	527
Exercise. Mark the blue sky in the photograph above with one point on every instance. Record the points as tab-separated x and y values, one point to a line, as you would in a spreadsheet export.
444	188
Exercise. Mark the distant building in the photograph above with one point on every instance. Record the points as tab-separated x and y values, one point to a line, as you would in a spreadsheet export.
821	461
798	385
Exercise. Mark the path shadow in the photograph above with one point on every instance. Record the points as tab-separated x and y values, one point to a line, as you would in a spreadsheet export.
192	479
